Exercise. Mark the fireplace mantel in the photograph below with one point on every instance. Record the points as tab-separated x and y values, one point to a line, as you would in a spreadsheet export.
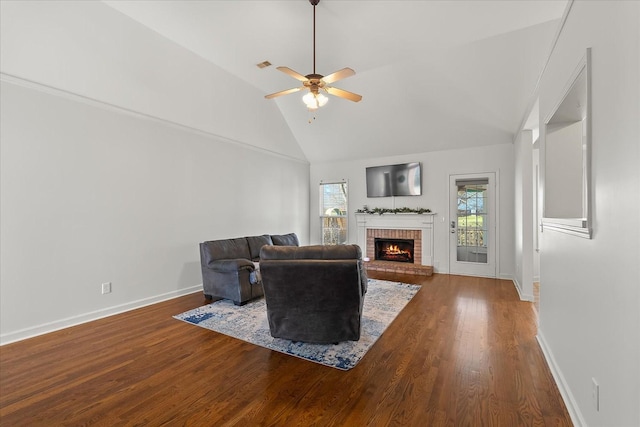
401	221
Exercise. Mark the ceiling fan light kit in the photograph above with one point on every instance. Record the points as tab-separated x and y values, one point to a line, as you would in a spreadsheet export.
314	101
316	83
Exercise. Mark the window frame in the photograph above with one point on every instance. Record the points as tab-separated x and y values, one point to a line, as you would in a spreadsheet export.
344	227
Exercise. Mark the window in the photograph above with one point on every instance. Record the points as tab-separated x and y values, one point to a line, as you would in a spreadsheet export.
472	223
333	213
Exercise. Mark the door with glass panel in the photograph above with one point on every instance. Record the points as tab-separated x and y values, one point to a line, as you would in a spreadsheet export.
472	231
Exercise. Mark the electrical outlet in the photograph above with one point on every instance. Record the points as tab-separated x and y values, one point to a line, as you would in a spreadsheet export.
595	393
106	288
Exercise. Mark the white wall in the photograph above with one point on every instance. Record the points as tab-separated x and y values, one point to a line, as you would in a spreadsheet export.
436	168
110	172
590	292
536	210
523	197
563	197
90	49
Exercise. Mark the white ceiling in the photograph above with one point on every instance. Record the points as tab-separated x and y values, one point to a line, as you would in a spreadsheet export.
434	75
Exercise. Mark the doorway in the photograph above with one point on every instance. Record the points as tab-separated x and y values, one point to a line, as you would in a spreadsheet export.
472	226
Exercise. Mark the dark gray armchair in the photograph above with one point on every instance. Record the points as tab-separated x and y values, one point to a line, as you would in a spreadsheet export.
314	293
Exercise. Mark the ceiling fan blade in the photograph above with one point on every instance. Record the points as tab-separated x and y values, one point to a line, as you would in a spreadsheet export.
338	75
284	92
343	94
293	74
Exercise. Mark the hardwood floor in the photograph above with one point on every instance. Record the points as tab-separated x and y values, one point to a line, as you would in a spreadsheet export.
462	353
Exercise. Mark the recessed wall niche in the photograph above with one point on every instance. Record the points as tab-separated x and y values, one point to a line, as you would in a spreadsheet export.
567	150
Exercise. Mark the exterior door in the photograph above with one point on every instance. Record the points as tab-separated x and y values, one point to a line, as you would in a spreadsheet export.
472	224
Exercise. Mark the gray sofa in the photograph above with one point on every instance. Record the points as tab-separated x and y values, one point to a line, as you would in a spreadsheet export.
314	293
230	267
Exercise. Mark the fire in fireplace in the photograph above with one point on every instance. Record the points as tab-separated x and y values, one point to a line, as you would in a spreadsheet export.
398	250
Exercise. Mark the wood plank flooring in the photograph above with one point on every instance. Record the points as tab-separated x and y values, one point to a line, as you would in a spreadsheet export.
462	353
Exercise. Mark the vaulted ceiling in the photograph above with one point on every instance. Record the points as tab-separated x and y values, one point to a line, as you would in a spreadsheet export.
434	75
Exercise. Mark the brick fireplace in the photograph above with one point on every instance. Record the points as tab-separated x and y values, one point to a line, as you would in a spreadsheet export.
417	228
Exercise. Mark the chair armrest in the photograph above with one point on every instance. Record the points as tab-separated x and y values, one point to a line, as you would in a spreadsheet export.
231	265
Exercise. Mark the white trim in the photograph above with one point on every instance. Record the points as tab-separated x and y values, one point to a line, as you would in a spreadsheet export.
496	207
516	284
563	386
522	296
46	328
575	227
504	276
31	84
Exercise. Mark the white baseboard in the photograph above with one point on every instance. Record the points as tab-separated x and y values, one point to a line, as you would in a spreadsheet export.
521	295
46	328
516	285
565	390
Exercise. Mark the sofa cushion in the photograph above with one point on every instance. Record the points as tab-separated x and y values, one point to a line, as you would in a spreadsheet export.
256	243
231	265
311	252
285	240
227	249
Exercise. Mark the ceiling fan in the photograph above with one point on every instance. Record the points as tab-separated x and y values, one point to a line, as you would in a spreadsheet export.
317	82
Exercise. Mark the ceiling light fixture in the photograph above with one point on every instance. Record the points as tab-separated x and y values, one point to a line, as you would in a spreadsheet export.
317	82
314	101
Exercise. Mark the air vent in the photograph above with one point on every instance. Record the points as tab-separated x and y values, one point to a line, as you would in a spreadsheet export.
263	64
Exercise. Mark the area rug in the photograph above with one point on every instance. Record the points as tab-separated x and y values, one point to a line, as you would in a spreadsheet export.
383	301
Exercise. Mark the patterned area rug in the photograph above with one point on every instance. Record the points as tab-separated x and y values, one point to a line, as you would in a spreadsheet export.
382	303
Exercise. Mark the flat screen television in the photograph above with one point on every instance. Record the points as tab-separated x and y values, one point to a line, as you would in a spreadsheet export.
394	180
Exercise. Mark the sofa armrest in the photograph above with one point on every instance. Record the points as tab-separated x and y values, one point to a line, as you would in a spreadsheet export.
231	265
364	280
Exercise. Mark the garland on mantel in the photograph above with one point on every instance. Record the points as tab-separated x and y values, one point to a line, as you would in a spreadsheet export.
381	211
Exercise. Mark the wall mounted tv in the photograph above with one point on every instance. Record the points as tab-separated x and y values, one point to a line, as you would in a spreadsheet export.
394	180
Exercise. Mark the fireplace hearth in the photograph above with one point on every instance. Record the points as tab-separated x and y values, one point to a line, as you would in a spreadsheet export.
395	250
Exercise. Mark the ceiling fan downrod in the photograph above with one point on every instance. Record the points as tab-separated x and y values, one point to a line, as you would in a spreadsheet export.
314	3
